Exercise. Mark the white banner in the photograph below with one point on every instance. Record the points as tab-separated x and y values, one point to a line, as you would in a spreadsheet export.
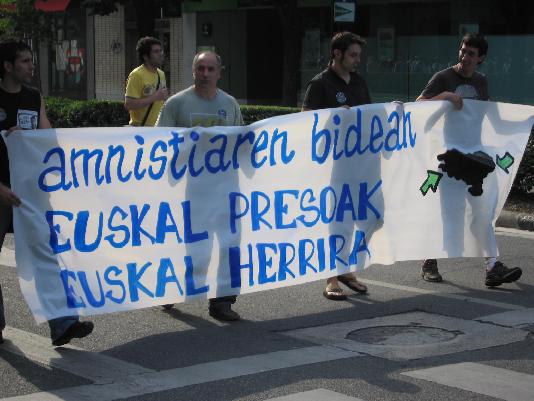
115	219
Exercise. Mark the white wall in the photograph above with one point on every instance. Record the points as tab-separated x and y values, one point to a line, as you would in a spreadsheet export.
110	76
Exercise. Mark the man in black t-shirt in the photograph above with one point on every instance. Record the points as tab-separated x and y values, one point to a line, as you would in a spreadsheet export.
463	81
22	107
340	85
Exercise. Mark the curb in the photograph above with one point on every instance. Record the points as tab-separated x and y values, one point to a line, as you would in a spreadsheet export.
519	221
9	241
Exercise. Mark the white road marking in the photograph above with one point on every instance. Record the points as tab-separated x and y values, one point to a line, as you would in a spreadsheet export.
482	379
89	365
458	297
316	395
450	335
140	384
516	318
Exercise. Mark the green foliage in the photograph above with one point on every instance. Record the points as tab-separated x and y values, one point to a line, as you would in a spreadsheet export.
256	113
101	7
524	180
20	19
66	113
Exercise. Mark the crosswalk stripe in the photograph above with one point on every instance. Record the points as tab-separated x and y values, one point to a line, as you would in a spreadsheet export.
93	366
316	395
140	384
482	379
516	318
458	297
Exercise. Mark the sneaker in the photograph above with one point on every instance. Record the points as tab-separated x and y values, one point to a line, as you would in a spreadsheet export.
76	330
429	271
501	274
223	311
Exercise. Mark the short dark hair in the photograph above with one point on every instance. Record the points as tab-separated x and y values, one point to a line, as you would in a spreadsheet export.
476	40
342	41
9	50
144	46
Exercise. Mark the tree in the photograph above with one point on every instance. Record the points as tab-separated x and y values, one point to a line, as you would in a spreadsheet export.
20	19
147	11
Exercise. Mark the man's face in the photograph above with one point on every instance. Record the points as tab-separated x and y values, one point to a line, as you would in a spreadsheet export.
206	71
468	59
22	69
351	58
156	56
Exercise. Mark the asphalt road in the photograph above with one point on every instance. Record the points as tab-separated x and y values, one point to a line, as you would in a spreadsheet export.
407	339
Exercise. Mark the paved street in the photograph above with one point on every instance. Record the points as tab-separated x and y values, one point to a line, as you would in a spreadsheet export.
407	339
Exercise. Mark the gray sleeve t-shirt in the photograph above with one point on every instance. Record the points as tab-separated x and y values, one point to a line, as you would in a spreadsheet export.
186	109
475	87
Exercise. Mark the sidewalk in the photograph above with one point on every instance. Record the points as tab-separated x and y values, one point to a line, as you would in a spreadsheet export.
519	221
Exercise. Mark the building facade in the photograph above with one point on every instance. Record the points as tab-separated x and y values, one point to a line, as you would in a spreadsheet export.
407	42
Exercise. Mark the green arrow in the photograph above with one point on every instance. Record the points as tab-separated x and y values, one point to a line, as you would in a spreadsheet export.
432	182
504	162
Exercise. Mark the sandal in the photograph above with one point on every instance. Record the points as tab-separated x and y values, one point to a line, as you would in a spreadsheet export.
334	294
353	284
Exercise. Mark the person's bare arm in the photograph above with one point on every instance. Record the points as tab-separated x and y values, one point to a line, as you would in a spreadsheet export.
456	100
9	197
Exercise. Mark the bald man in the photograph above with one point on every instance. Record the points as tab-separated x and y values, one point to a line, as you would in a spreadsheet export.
204	104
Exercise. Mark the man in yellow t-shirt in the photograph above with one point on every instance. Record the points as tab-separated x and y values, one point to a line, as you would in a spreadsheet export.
146	89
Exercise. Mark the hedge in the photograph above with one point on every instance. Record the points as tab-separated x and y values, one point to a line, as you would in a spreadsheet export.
68	113
524	180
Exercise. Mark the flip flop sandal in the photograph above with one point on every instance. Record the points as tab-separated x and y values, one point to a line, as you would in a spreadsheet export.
354	285
334	294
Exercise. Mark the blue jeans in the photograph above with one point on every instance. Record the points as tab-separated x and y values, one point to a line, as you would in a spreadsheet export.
57	326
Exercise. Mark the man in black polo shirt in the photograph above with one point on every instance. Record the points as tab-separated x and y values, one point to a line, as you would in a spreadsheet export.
339	85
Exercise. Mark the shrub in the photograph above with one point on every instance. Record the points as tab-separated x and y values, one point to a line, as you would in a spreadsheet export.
524	180
66	113
252	114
